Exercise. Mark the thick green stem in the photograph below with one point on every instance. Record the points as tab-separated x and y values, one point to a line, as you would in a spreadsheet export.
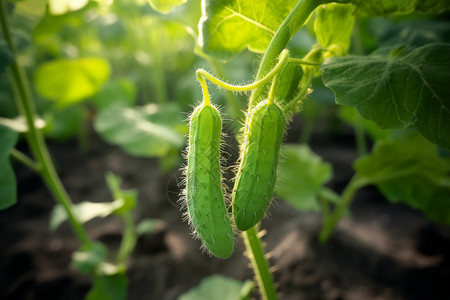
297	17
259	263
34	137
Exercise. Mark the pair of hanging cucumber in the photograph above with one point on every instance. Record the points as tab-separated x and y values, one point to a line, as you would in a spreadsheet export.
255	178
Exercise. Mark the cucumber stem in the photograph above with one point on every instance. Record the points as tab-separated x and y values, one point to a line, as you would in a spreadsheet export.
34	137
259	263
293	22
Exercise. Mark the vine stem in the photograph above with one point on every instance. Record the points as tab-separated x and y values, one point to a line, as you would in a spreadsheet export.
128	239
293	22
34	137
230	98
348	194
259	263
203	74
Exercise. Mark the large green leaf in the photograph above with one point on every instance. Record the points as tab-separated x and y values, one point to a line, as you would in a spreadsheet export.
228	27
409	170
395	90
165	6
8	185
217	287
68	81
386	7
151	130
301	176
416	32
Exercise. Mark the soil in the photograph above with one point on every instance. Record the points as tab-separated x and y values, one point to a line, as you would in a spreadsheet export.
383	251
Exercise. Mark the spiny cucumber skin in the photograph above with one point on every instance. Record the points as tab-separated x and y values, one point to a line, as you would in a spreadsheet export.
205	202
255	179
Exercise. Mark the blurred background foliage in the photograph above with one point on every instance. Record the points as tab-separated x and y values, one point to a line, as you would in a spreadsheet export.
127	67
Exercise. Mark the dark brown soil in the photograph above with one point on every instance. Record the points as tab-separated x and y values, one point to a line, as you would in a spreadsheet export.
384	251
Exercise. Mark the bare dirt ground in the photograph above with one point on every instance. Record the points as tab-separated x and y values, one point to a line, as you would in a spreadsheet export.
383	251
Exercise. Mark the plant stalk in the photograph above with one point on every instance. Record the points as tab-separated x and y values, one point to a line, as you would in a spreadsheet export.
230	98
128	239
259	263
293	22
347	197
34	136
25	160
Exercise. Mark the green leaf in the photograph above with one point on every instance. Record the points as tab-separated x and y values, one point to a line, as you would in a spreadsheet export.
434	6
333	27
89	257
127	198
217	287
228	27
121	91
8	185
151	131
301	176
410	32
409	170
109	286
85	211
165	6
403	88
386	7
68	81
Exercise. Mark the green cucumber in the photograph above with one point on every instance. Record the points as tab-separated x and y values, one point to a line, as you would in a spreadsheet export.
256	175
207	212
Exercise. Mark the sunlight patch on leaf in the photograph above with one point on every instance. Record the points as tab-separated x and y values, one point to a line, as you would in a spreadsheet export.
165	6
68	81
85	211
228	27
19	124
60	7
